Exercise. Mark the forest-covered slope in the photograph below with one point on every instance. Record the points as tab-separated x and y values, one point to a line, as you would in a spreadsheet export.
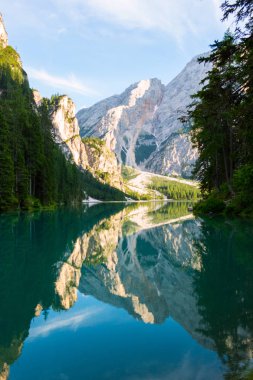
33	169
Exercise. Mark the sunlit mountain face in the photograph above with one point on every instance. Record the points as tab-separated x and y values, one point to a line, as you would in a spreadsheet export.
145	125
164	294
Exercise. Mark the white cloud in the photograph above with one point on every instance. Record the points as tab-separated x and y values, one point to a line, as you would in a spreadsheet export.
177	19
69	82
72	323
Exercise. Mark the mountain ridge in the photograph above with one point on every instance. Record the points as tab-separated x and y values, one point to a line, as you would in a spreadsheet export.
137	123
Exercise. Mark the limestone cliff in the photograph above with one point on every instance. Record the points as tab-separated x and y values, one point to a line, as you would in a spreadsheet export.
37	97
3	33
94	157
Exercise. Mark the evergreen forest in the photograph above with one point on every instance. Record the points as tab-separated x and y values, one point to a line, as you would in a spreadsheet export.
175	190
221	116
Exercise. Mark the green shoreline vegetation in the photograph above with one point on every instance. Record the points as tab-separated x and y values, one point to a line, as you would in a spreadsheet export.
175	190
222	119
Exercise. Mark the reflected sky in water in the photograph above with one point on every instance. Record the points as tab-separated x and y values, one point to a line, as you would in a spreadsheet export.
125	292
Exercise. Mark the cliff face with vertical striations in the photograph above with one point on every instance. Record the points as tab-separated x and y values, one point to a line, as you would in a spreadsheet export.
90	155
124	121
142	124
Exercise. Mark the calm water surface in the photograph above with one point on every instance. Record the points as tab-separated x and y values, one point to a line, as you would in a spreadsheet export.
125	292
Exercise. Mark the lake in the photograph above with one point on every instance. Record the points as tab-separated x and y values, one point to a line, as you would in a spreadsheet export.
115	291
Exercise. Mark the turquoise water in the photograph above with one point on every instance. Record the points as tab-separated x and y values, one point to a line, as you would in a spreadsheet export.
125	292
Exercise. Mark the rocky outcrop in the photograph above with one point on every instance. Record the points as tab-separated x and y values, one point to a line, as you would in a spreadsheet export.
37	97
142	124
175	156
102	163
3	33
66	131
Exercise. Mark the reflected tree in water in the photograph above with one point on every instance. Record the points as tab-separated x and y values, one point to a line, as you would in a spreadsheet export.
224	288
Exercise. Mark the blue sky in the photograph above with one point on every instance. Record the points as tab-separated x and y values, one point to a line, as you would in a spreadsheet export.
91	49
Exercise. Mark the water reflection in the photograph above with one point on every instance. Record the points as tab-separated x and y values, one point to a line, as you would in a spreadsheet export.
199	272
153	260
224	289
32	254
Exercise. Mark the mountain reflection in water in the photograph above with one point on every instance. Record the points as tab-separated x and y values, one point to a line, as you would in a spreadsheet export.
153	260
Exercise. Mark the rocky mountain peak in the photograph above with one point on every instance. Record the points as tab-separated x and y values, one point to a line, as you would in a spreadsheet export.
122	120
142	125
3	33
141	89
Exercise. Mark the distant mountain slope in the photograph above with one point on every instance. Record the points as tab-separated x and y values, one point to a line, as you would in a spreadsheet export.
141	125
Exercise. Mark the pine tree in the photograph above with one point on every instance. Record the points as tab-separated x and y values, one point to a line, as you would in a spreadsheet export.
222	114
213	115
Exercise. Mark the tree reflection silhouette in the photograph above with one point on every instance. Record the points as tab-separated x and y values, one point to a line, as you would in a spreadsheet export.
224	288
